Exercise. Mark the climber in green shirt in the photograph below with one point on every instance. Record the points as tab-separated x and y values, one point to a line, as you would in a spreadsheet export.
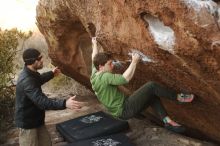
110	92
112	98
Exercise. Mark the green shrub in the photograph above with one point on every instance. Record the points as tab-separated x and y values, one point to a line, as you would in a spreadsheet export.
8	44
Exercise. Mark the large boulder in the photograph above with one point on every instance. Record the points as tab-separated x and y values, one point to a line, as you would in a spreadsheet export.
179	41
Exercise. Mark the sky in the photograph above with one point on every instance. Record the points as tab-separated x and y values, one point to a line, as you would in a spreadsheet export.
18	13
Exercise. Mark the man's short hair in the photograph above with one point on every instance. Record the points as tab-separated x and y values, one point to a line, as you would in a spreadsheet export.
30	55
101	59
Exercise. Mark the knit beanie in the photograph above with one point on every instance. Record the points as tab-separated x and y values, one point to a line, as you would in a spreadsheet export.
30	55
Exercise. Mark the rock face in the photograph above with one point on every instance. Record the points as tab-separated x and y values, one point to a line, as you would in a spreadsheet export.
179	41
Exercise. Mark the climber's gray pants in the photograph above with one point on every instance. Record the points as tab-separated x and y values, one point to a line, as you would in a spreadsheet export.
147	95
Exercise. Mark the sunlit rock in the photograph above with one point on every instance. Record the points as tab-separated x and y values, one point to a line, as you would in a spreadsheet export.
181	37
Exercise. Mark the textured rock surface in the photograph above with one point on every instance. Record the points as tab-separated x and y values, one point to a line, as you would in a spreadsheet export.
180	40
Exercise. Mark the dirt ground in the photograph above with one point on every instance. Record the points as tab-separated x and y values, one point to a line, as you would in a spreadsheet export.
142	132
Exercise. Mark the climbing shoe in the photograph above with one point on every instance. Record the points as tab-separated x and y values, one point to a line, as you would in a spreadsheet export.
176	129
185	97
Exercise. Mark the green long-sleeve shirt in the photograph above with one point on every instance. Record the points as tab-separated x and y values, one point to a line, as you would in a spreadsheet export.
105	85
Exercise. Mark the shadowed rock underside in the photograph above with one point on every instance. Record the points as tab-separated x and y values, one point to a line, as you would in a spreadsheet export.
179	41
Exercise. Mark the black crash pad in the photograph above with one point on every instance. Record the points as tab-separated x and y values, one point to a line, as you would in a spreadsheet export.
90	126
111	140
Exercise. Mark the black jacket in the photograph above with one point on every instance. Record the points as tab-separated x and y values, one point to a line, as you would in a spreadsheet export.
31	102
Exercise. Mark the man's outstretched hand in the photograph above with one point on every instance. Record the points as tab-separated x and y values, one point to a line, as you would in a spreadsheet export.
71	103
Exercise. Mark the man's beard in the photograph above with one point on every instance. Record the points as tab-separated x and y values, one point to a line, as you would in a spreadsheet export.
37	67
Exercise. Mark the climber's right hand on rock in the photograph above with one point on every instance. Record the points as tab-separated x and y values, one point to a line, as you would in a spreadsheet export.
135	58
